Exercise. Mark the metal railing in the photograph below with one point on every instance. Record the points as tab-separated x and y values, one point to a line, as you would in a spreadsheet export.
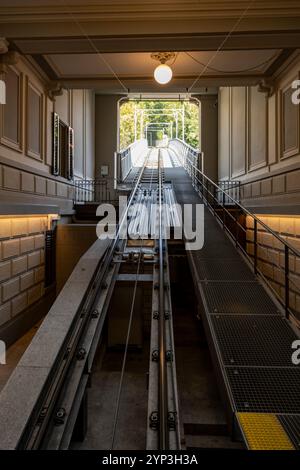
255	239
232	188
187	152
128	158
90	191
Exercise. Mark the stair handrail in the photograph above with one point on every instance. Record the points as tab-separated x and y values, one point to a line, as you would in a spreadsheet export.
125	159
199	178
244	209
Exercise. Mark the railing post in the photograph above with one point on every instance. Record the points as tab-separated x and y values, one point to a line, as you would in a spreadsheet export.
223	208
287	281
255	246
212	199
116	169
237	232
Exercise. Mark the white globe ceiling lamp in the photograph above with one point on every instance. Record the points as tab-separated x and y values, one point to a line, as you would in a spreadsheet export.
163	73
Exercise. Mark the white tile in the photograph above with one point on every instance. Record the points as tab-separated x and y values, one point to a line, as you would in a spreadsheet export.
27	280
5	270
5	228
34	225
26	244
33	259
40	274
19	265
19	303
19	226
10	288
10	248
4	313
39	241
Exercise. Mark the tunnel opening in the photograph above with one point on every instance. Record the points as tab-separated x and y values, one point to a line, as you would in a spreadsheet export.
159	120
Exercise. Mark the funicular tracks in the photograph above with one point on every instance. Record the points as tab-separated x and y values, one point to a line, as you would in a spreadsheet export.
55	415
163	432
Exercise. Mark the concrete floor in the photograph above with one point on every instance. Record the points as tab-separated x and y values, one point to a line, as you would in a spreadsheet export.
102	396
14	354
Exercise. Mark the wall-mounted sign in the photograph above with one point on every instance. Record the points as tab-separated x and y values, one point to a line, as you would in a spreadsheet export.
104	170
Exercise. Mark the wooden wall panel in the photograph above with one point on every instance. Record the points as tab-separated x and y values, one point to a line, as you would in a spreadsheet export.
272	129
34	123
78	120
224	132
238	131
48	135
11	112
289	124
62	106
89	134
257	129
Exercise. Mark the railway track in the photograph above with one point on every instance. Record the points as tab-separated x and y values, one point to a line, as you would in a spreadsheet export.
55	416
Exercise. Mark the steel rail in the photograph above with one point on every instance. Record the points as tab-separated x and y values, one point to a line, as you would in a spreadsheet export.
163	410
41	415
115	424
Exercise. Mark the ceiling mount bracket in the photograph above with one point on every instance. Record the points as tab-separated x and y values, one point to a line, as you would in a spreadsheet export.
163	57
54	89
266	85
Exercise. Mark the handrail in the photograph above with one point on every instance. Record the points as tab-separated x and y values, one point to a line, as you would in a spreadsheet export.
233	186
186	145
93	190
188	150
208	189
268	229
127	158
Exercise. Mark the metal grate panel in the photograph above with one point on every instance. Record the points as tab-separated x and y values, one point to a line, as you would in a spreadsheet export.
254	340
216	247
220	269
238	297
265	390
291	425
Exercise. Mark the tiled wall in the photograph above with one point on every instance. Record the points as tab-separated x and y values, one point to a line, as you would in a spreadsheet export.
13	179
283	186
271	257
22	244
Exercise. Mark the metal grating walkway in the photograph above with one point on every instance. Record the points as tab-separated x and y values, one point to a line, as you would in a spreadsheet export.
255	332
249	337
237	297
265	390
291	425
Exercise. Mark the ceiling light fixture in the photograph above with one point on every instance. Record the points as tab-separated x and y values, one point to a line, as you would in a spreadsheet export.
163	73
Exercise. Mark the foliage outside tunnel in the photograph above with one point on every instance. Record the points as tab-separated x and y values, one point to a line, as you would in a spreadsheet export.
157	120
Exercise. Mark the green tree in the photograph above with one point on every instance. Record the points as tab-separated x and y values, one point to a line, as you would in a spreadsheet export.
159	118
